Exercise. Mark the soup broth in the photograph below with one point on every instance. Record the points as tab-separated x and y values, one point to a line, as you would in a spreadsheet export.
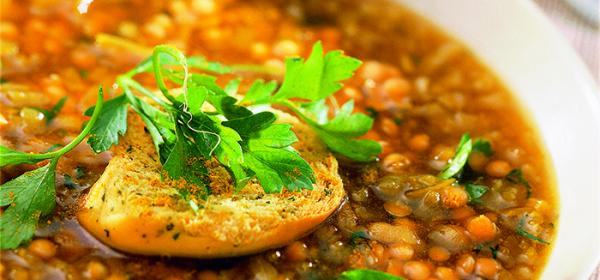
423	89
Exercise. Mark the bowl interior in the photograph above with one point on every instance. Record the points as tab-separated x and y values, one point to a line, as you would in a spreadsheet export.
519	44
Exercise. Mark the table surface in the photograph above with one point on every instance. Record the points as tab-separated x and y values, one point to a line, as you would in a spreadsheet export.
583	36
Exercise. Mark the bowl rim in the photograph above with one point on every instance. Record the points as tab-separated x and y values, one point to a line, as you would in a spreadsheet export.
590	91
531	19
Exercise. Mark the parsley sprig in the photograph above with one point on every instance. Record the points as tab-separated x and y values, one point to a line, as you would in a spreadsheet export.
461	156
192	120
185	135
305	89
474	189
358	274
199	120
31	196
520	230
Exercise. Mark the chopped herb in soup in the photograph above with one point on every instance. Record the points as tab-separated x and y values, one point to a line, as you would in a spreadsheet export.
227	139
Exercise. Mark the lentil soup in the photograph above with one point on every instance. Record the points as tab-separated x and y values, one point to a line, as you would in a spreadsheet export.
410	213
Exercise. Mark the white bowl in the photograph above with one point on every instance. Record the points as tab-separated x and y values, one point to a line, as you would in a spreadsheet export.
517	42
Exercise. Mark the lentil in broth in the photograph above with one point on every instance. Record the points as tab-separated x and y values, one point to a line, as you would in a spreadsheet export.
423	89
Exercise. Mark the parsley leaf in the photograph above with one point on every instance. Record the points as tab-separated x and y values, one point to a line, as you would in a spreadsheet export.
183	162
232	87
218	98
520	230
267	153
278	168
315	80
230	154
111	123
360	274
373	113
52	113
318	77
516	177
353	149
339	133
483	146
29	197
317	111
475	192
158	123
347	124
463	150
249	125
259	92
358	235
494	250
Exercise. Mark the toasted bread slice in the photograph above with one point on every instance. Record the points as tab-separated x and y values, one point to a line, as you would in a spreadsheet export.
133	209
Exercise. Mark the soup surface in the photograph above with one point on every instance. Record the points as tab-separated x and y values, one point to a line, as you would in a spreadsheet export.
424	90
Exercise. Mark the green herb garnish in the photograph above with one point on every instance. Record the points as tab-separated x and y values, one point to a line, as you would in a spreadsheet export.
31	196
84	74
475	192
363	274
79	172
477	248
463	150
516	177
249	144
111	123
53	112
305	89
483	146
520	230
493	249
358	235
199	121
68	182
373	113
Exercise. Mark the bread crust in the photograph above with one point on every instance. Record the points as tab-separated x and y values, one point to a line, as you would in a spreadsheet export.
132	209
